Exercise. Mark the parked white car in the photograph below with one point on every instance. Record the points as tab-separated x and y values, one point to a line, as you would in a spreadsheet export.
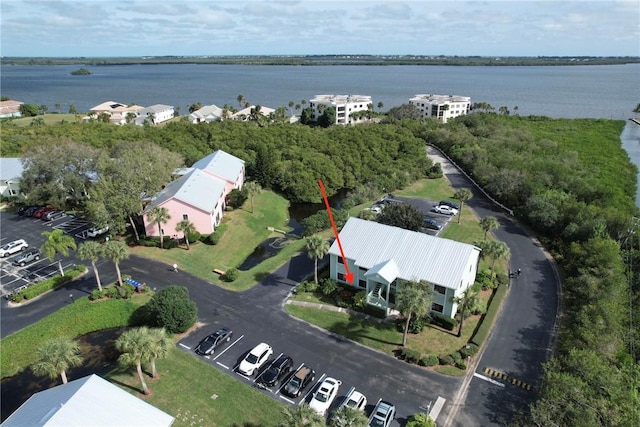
355	400
13	247
95	231
445	210
327	392
255	359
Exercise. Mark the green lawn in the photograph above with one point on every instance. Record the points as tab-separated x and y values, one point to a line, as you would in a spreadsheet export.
49	119
244	231
72	320
186	388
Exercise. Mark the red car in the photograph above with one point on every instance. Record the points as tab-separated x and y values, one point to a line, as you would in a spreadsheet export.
42	211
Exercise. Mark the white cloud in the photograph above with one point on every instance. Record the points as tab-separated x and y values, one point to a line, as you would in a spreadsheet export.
454	27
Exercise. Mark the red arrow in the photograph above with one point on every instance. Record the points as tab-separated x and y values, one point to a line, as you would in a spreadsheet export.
349	275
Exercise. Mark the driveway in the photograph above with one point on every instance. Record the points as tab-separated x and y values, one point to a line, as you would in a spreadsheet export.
507	375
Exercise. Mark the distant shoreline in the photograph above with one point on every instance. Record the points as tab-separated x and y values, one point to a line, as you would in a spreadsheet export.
329	60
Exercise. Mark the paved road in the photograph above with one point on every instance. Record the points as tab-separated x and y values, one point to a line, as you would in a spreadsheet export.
524	331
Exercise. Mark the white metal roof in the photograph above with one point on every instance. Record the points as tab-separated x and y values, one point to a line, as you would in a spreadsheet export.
195	188
418	256
221	164
86	402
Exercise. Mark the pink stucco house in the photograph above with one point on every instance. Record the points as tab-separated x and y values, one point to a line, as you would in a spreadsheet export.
199	194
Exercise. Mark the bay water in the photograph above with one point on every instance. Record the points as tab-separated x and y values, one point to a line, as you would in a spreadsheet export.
592	91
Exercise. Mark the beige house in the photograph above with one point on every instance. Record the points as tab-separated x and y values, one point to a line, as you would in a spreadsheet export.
117	112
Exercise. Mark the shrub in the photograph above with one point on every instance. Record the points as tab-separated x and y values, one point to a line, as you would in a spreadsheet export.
360	299
328	287
230	275
194	237
435	171
469	350
96	294
480	308
456	357
48	284
149	242
112	292
236	198
430	360
420	420
214	238
445	359
126	290
461	365
409	355
172	309
169	243
445	322
416	324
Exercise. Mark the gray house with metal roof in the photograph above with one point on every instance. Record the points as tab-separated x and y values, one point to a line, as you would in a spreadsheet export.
378	255
88	401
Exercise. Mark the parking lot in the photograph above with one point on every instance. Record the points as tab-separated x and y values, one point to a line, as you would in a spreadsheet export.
13	277
424	206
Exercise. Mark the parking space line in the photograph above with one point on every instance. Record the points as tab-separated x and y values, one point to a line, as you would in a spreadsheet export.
228	347
492	381
313	388
267	368
184	346
286	399
224	366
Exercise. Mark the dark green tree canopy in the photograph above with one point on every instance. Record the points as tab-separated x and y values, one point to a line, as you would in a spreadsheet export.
402	215
172	309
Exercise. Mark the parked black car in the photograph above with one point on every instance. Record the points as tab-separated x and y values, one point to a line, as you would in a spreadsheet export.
27	257
299	381
31	210
213	341
432	224
276	372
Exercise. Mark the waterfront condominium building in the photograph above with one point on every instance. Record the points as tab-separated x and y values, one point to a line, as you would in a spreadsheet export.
345	105
442	107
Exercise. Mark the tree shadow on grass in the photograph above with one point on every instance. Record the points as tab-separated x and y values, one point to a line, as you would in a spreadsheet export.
357	328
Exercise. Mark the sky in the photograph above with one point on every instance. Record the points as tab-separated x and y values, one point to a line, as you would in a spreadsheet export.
90	28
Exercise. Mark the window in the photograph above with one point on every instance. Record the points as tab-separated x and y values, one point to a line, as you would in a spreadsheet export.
185	217
362	283
341	277
340	260
440	289
437	307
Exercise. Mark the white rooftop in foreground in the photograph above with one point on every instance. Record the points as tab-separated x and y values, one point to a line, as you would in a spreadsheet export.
87	402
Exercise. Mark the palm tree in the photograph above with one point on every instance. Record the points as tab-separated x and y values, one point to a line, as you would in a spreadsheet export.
253	188
348	417
466	302
130	117
412	299
489	223
160	346
380	105
291	104
136	347
56	356
159	215
317	247
496	249
57	242
462	195
92	251
240	99
116	251
301	416
186	227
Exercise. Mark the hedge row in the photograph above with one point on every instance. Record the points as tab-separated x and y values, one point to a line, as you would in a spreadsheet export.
486	323
457	358
48	284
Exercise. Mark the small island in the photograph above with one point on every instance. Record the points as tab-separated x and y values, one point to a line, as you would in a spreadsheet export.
81	72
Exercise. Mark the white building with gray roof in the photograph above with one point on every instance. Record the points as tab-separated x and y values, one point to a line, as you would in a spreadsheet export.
378	255
88	401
